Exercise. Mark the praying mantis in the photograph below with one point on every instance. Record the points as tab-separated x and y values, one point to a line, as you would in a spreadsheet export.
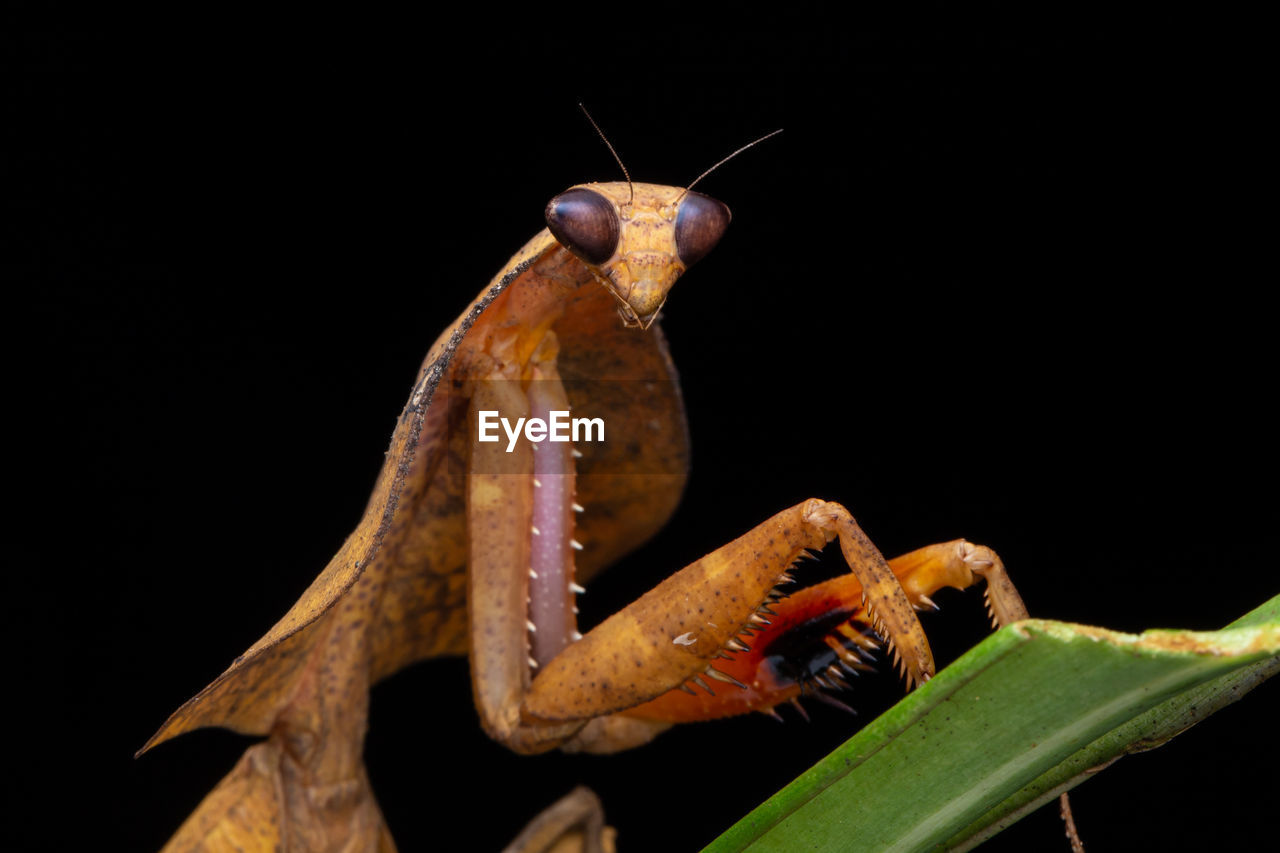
480	547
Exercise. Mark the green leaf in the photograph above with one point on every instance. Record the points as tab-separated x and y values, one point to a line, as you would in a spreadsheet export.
1030	712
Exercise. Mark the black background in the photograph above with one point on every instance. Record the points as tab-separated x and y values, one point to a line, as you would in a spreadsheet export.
991	283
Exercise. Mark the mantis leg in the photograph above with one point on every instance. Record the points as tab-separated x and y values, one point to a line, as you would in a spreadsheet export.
674	636
814	638
520	584
501	513
539	684
573	824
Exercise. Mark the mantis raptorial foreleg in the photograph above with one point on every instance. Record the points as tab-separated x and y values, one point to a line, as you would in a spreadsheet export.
673	633
521	564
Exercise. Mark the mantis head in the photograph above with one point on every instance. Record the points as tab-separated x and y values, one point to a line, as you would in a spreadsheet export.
637	239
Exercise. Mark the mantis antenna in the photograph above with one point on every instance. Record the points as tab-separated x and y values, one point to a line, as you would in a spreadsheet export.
614	151
726	160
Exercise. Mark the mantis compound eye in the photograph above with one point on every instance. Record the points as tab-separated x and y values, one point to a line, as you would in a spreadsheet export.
585	223
699	226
